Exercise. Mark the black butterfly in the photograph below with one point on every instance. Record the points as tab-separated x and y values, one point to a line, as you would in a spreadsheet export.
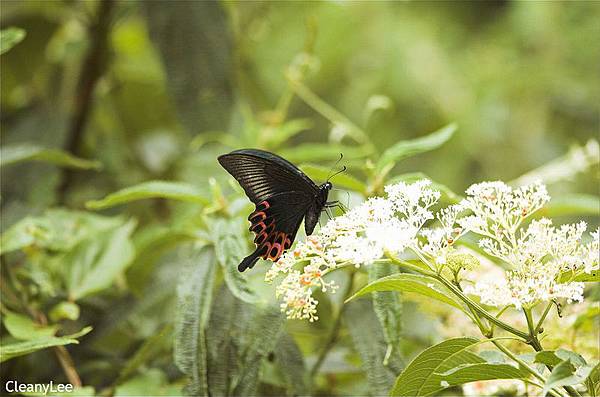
283	195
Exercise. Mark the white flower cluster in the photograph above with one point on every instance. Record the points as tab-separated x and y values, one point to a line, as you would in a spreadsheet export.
357	238
539	255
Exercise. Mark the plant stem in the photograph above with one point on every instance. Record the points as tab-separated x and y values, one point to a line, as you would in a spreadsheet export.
337	325
542	318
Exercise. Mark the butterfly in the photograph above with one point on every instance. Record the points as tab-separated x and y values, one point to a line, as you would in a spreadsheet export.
283	196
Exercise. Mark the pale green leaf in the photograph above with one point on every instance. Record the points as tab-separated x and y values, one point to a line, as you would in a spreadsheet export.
95	262
422	376
17	153
17	349
409	148
593	381
152	382
310	152
10	37
404	282
152	189
344	180
565	374
572	204
24	328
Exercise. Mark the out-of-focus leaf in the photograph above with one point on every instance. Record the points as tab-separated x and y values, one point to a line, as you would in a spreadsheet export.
10	37
152	382
571	205
275	136
95	262
346	181
412	177
568	277
566	374
13	154
84	391
369	341
387	306
409	148
55	230
152	189
404	282
309	152
17	349
64	310
422	376
290	362
24	328
194	42
194	296
484	371
228	247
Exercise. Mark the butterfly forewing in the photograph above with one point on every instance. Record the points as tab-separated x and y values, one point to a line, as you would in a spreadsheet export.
282	194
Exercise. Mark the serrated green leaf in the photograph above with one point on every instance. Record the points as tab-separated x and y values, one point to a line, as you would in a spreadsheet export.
345	180
369	342
10	37
152	189
17	153
290	363
405	282
24	328
229	247
17	349
409	148
194	299
422	376
484	371
387	306
96	261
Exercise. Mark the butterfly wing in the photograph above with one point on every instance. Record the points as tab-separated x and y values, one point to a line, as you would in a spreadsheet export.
275	222
262	174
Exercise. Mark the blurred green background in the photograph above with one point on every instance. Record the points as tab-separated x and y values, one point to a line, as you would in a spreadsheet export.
156	90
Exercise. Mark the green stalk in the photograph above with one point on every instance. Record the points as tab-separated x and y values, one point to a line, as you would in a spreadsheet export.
542	318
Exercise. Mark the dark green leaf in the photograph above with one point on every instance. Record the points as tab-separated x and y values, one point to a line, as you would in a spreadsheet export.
152	189
10	37
13	154
404	149
422	376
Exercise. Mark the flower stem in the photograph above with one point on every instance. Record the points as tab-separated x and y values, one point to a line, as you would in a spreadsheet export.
542	318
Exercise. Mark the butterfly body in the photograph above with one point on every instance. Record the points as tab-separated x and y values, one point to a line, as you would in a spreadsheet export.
282	194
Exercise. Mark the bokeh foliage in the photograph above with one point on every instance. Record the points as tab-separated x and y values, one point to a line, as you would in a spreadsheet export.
116	215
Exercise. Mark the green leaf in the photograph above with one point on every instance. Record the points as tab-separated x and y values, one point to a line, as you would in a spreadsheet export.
409	148
24	328
565	374
483	371
571	205
17	349
55	230
228	247
196	45
10	37
95	262
422	376
447	193
369	342
344	180
290	363
152	189
387	306
547	357
277	136
593	381
194	298
405	282
64	310
309	152
152	382
17	153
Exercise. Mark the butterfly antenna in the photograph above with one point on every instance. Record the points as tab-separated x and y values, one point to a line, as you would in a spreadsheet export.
339	172
335	165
